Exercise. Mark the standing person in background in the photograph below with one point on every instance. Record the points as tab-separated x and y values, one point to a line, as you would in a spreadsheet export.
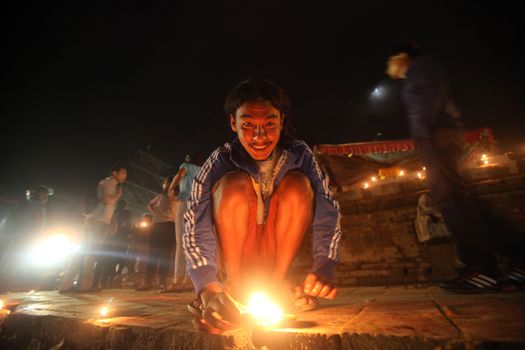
162	239
109	191
22	225
140	249
436	126
184	180
121	228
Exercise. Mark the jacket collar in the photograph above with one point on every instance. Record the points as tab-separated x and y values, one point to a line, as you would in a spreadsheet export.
241	159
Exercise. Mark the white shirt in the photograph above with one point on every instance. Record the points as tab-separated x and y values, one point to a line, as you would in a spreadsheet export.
106	189
164	208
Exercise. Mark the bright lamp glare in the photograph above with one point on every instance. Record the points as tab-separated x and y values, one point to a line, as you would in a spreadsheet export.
377	92
1	304
55	249
264	312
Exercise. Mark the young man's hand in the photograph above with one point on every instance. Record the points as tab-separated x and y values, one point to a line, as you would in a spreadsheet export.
318	287
220	311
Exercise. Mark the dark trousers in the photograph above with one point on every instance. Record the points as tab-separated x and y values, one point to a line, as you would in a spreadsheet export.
161	244
440	155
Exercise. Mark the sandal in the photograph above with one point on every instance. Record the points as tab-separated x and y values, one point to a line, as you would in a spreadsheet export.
309	303
196	307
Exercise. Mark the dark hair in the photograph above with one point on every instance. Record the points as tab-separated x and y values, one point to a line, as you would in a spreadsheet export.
411	48
168	180
259	89
194	157
117	168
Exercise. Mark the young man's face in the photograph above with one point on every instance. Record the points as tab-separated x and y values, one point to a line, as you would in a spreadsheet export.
258	125
397	66
120	175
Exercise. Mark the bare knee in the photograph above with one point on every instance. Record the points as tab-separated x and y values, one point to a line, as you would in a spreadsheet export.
233	188
296	185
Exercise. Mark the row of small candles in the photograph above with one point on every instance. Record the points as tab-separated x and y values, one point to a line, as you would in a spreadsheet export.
260	308
401	173
484	160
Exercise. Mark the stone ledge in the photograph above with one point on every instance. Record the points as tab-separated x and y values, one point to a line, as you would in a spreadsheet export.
361	318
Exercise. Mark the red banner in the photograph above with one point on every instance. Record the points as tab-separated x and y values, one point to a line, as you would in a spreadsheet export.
394	145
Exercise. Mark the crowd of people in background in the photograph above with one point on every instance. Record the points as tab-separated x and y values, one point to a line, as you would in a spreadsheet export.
144	254
116	250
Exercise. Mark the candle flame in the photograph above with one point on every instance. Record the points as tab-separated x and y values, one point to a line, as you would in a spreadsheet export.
263	310
104	311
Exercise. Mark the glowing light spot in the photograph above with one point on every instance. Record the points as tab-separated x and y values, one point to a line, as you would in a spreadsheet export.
401	173
420	175
374	179
143	224
104	311
1	304
485	162
366	185
264	312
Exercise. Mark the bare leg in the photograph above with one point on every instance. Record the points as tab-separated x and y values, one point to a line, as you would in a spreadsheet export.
232	197
294	204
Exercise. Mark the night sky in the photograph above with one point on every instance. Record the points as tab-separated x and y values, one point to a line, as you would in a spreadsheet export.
87	84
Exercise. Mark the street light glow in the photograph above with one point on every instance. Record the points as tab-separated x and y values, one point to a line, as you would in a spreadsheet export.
377	92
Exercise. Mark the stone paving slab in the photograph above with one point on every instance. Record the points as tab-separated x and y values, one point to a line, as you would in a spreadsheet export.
361	318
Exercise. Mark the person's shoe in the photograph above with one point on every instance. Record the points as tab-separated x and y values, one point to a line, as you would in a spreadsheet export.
514	279
472	282
306	303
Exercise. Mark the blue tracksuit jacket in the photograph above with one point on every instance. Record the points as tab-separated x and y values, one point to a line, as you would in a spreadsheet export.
199	238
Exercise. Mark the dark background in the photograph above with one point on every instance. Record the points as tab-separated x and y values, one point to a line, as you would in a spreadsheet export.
86	84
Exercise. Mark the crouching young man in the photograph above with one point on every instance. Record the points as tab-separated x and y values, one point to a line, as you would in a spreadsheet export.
250	206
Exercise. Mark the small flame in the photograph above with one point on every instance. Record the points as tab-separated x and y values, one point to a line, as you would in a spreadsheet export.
420	175
374	179
366	185
104	311
401	173
264	312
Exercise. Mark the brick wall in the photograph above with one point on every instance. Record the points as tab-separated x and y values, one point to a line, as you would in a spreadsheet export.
379	245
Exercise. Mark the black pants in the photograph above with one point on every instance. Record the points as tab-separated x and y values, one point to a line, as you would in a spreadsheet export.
440	155
161	244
